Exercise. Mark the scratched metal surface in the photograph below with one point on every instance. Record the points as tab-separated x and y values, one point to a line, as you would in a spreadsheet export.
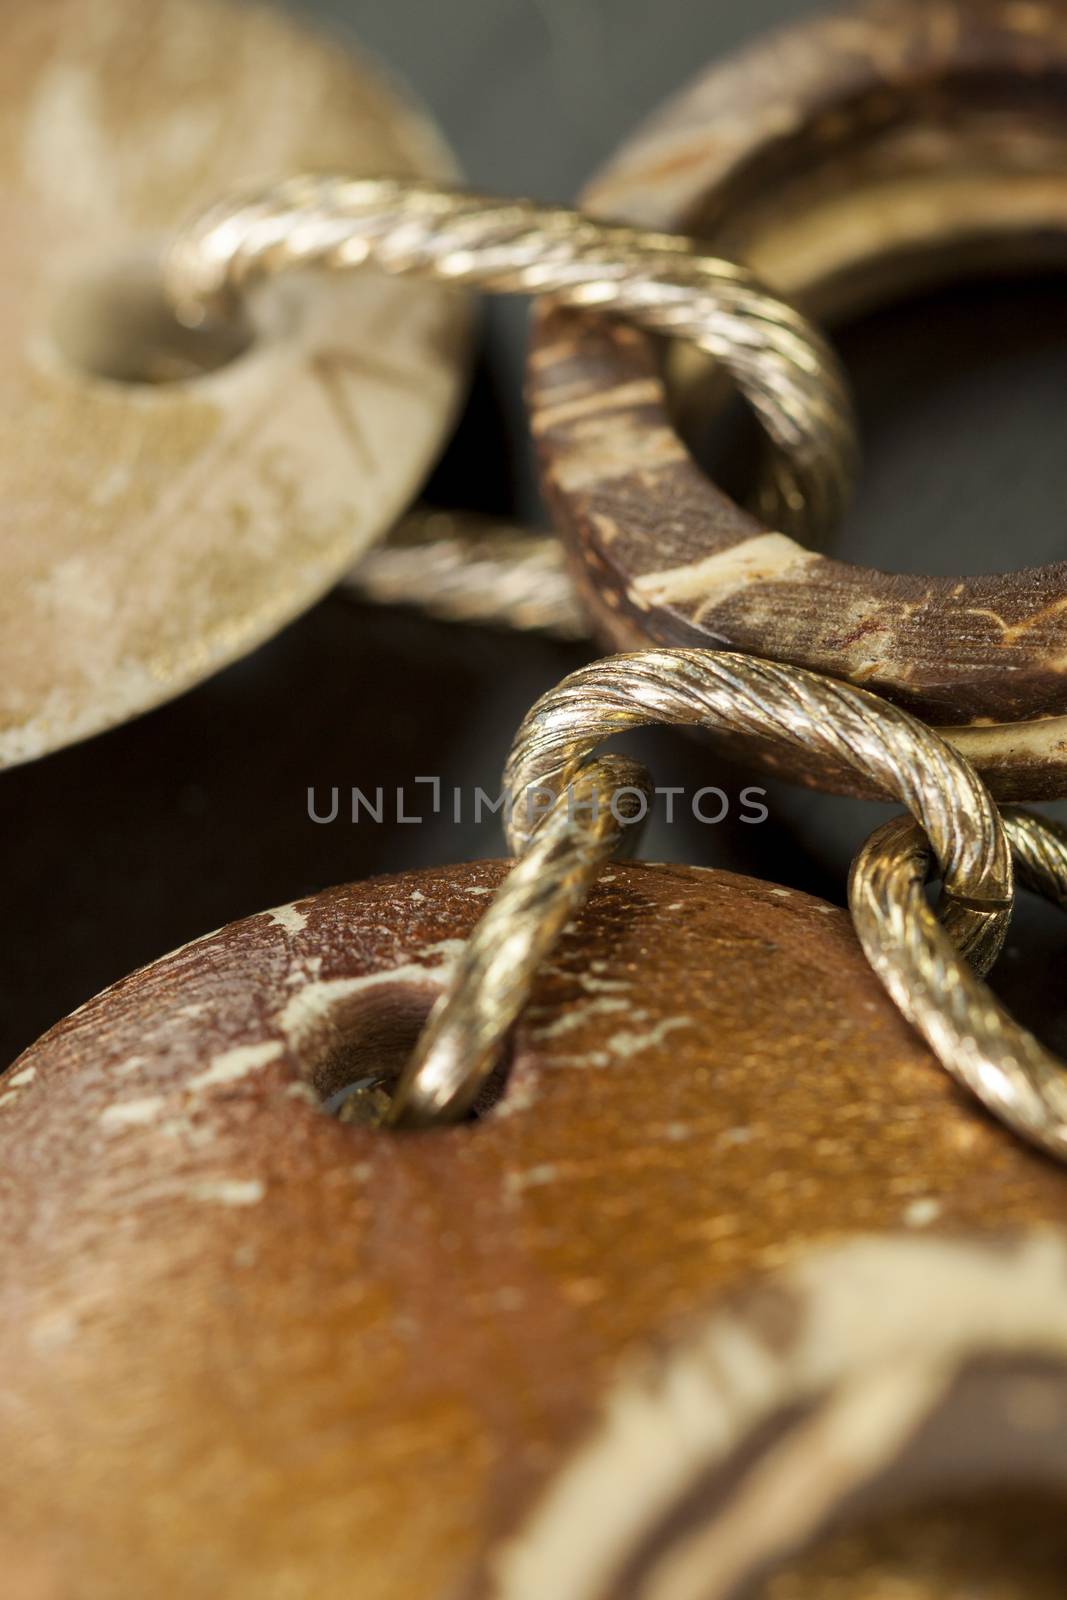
120	849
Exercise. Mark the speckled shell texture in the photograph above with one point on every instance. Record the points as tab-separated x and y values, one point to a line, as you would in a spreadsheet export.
246	1348
849	158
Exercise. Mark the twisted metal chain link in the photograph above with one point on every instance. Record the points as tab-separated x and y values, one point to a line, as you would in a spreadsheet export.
559	859
660	281
962	1021
461	1042
473	569
736	694
918	958
1039	846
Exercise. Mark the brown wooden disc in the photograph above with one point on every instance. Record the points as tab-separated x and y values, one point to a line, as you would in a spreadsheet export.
249	1348
170	500
854	156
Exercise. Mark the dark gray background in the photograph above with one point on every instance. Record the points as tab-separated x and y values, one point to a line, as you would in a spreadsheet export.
122	848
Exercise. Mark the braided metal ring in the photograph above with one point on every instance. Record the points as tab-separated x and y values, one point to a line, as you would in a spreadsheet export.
962	1021
843	726
468	568
460	1044
560	858
659	281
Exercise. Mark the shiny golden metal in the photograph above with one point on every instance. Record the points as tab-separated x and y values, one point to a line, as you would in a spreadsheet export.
740	696
962	1021
660	281
917	957
460	1044
724	693
464	567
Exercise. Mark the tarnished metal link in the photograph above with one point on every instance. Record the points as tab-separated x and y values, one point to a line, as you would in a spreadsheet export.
738	695
1039	846
929	967
962	1021
462	1040
662	282
473	569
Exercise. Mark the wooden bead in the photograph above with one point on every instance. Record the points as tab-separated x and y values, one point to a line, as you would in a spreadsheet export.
250	1348
849	158
172	499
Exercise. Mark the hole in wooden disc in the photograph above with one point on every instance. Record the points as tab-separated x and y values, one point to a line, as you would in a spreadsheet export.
957	391
356	1059
117	324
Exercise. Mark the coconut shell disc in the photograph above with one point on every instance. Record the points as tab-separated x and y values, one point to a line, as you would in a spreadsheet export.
247	1347
851	158
169	500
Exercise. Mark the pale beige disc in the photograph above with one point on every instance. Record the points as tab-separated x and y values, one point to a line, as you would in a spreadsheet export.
153	531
